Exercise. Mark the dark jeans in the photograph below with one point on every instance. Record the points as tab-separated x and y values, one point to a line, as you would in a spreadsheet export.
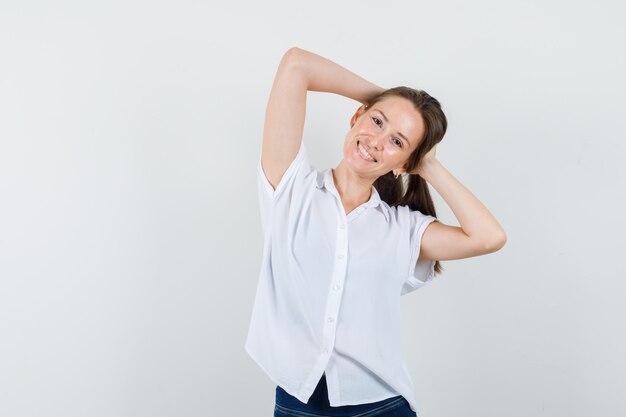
318	406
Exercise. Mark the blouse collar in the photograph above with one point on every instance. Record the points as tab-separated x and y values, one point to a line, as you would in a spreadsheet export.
325	180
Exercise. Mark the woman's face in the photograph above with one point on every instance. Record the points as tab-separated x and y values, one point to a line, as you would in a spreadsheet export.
389	132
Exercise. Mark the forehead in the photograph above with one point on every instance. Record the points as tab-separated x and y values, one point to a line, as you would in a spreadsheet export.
402	116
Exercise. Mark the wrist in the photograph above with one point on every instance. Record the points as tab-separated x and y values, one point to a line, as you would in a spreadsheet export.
373	91
428	168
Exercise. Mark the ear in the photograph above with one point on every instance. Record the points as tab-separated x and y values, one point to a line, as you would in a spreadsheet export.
399	171
357	114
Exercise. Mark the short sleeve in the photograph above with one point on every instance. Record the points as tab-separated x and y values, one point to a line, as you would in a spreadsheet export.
294	173
420	271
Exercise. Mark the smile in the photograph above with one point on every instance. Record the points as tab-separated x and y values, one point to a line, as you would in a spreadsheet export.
364	154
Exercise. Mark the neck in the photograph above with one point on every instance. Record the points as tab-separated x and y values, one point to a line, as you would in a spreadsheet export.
352	188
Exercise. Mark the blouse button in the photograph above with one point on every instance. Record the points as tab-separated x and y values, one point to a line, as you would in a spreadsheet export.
336	287
343	226
340	256
330	319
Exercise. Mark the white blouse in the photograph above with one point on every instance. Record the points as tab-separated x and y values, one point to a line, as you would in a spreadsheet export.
328	295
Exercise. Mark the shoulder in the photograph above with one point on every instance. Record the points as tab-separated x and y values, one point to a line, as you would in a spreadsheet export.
298	175
397	213
405	216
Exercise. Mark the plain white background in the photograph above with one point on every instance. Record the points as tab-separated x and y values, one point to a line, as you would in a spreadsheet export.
130	238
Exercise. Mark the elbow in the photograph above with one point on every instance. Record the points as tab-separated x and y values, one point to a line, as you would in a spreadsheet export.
496	243
291	59
493	243
292	54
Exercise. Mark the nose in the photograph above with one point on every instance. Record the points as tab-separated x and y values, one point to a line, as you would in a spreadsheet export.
374	142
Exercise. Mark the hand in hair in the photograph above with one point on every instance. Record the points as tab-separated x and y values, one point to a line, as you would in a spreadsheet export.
426	161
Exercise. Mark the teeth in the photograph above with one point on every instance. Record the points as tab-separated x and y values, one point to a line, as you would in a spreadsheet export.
365	154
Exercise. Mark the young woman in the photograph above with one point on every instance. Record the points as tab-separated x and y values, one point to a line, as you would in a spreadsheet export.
342	245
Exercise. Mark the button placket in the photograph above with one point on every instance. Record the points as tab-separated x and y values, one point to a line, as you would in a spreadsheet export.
338	276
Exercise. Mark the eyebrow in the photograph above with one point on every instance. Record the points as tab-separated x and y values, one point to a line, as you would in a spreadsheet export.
399	133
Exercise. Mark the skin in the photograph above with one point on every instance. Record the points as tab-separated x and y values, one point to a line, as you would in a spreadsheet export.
354	175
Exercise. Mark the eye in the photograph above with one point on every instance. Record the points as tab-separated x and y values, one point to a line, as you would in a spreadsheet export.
398	143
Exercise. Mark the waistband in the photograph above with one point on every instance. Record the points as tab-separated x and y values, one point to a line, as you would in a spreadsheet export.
319	404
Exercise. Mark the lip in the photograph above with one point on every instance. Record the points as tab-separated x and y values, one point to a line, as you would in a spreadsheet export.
362	156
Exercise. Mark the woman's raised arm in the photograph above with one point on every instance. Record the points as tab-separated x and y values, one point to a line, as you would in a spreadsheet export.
300	71
326	76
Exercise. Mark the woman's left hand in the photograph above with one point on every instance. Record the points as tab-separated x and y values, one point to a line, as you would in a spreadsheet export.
425	162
